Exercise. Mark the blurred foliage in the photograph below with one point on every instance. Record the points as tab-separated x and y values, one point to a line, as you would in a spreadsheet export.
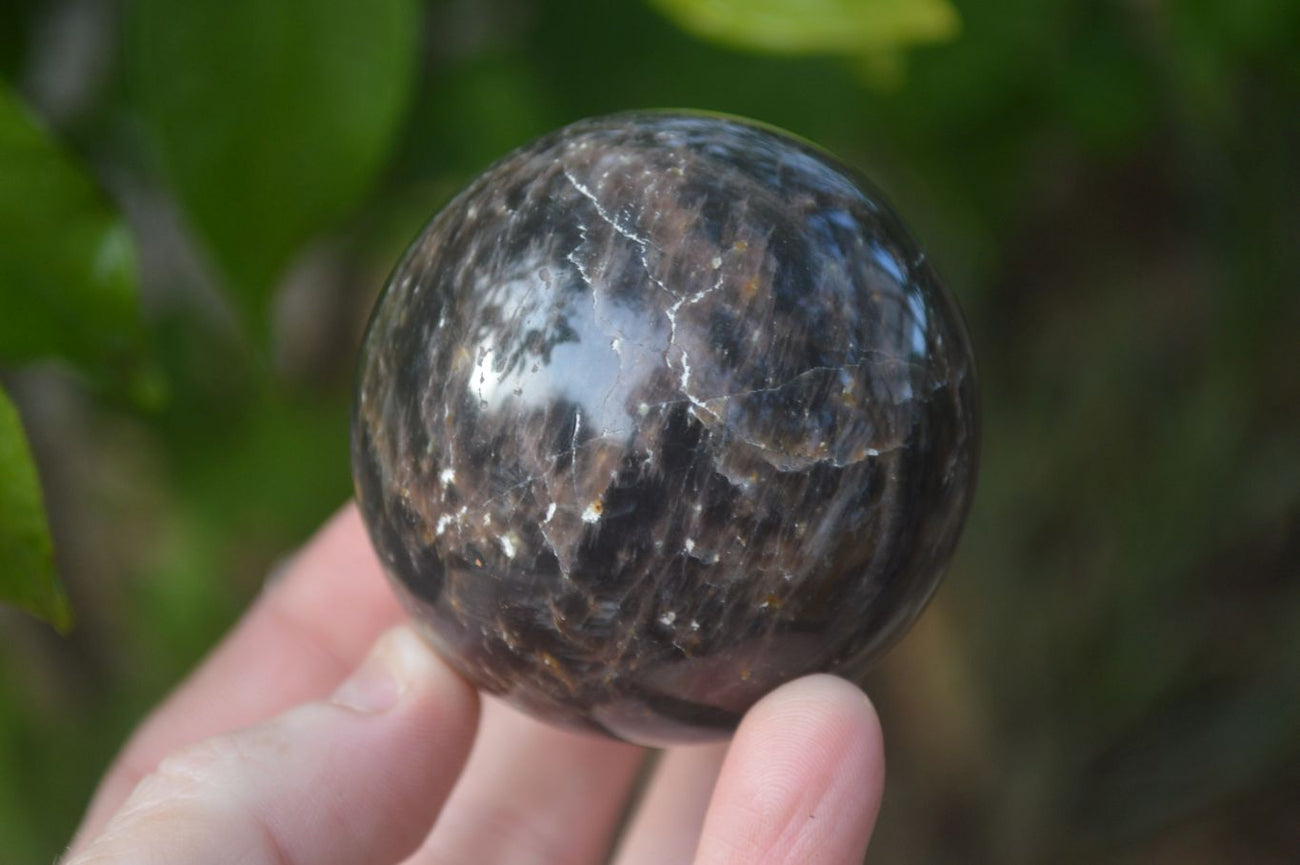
829	26
67	264
1111	188
67	287
285	107
28	579
873	32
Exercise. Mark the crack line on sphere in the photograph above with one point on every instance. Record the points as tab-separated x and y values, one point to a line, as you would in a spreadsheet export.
642	243
573	257
776	387
685	377
505	492
602	213
685	359
573	449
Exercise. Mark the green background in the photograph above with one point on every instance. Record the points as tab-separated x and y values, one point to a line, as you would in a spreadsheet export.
205	197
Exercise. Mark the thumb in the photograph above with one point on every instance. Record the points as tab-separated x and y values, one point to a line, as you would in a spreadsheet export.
358	777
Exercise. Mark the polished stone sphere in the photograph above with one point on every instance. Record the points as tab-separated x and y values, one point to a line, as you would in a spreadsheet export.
662	411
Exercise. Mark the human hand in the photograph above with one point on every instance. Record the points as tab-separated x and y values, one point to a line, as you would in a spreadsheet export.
271	753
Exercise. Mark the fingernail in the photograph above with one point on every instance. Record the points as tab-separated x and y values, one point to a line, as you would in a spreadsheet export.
378	684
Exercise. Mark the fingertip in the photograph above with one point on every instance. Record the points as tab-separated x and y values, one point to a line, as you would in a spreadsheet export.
423	675
419	751
831	713
818	728
803	778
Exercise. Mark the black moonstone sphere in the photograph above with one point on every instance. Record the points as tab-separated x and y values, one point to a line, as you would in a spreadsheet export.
664	410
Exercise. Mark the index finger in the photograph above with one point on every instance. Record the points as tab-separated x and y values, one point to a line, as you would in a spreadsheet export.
306	631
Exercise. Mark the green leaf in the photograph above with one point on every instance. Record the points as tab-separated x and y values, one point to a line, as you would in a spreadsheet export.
67	261
815	26
27	577
881	68
272	117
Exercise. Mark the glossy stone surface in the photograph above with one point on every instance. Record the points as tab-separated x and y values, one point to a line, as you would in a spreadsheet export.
662	411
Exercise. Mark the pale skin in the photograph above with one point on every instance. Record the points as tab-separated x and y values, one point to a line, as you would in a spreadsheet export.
322	730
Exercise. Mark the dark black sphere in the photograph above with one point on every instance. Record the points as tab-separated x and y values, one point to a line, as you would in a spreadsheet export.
664	410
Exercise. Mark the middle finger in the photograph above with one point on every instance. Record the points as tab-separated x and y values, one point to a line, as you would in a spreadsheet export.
532	793
666	829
